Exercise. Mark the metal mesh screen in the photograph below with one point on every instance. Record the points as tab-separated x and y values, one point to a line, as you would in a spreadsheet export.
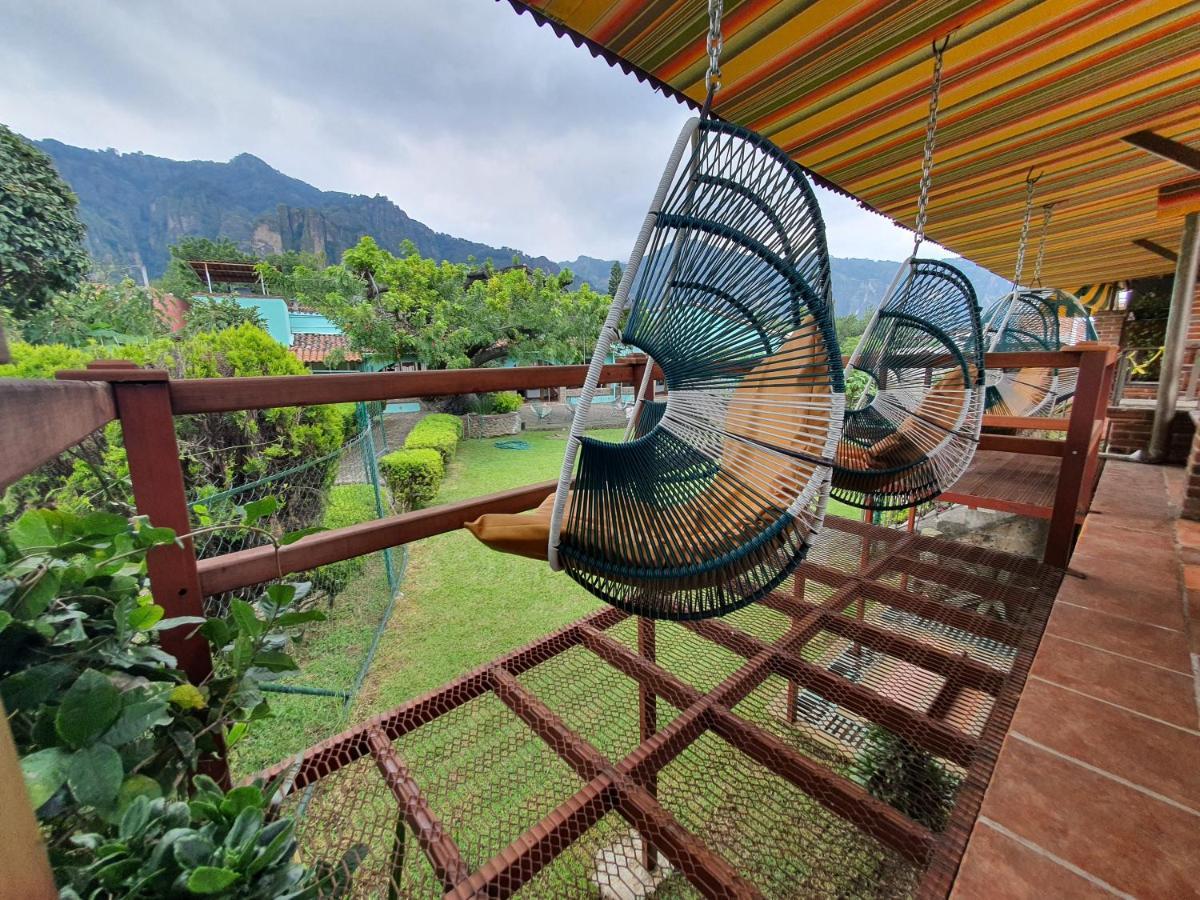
833	739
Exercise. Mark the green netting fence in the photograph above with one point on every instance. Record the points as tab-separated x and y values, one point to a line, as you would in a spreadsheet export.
358	595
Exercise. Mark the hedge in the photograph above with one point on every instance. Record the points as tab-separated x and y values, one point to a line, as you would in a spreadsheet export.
413	476
504	402
348	504
438	431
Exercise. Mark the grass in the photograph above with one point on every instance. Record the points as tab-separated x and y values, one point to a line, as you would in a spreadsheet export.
329	654
462	603
488	776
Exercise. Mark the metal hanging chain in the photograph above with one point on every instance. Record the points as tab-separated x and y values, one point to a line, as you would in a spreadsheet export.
930	141
1030	182
1047	213
715	42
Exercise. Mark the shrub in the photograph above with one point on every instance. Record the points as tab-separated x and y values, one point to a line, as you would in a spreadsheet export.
220	843
439	431
348	504
503	402
413	476
100	714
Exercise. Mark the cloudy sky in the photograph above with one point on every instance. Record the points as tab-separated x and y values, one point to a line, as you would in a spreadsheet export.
471	118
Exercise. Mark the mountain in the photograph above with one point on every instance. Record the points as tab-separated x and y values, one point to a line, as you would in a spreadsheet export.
135	206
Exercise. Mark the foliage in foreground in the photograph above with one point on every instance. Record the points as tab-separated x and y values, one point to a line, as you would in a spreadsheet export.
908	778
101	715
214	844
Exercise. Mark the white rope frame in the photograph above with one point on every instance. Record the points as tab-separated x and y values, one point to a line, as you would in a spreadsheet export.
608	333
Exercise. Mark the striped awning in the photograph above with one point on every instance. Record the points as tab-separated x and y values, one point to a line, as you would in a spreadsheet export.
1054	86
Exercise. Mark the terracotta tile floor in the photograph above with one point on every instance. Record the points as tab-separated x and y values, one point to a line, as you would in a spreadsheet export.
1097	789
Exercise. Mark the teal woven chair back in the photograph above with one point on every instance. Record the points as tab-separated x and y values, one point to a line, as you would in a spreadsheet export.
1041	319
716	498
917	426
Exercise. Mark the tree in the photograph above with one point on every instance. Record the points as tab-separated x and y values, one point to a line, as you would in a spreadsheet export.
408	307
614	278
97	313
41	237
180	280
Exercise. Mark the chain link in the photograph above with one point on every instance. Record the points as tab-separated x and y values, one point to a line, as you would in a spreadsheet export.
930	139
715	43
1024	240
1047	212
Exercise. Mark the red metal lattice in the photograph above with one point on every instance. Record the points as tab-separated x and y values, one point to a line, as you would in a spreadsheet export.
832	740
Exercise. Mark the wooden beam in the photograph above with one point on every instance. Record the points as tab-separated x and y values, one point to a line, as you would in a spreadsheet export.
936	737
201	395
258	564
1157	249
1164	147
44	418
1011	443
441	851
1025	422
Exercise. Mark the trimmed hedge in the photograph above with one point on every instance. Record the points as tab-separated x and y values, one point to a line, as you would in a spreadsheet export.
438	431
413	476
348	504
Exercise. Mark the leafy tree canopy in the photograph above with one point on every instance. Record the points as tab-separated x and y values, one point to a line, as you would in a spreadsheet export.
406	306
41	249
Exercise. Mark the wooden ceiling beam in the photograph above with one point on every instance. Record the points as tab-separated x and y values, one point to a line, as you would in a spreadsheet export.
1156	248
1174	151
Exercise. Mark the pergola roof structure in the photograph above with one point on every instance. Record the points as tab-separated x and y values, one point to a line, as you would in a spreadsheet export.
225	272
1054	87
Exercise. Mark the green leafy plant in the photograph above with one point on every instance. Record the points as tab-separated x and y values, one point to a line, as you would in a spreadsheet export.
502	402
437	431
413	476
909	779
217	844
99	712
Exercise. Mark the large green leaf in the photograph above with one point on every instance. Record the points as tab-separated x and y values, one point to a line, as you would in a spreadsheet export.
32	532
137	718
45	772
94	775
210	879
88	708
36	598
248	622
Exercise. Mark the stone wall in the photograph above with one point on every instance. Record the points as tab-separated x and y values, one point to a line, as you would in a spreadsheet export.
498	425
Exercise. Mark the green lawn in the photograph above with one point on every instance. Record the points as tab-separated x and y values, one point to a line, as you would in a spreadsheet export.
463	604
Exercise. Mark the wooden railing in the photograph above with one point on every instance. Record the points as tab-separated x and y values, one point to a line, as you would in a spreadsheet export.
44	418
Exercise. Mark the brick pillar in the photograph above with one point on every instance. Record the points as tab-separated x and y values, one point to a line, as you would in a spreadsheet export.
1109	326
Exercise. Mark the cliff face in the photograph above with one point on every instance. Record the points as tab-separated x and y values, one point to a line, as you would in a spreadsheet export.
135	206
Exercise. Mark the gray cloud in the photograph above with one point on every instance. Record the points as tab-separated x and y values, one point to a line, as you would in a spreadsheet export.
471	118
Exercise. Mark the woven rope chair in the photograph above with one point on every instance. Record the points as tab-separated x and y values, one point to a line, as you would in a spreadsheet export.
918	425
1041	319
717	492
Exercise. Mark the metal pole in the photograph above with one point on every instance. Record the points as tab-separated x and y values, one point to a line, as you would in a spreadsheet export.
1177	326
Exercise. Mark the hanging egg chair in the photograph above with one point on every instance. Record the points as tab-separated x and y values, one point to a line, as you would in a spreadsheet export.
1036	319
915	427
717	492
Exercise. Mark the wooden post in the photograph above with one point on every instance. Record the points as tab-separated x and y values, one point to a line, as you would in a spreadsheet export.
1089	393
143	402
1182	296
647	722
24	866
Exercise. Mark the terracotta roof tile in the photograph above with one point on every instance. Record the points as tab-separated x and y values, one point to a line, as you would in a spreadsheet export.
315	348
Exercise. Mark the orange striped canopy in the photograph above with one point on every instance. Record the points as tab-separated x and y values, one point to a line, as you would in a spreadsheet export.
842	86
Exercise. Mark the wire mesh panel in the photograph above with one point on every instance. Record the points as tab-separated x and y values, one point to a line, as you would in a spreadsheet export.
917	425
1041	319
832	739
